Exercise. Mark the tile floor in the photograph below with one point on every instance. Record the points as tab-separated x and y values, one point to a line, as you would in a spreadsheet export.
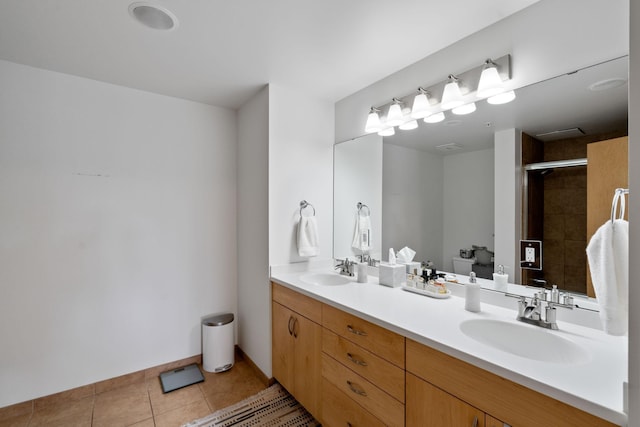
143	404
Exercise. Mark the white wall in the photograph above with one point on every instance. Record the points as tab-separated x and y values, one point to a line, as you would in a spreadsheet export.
117	217
634	218
468	203
546	39
412	202
254	330
358	174
507	200
300	168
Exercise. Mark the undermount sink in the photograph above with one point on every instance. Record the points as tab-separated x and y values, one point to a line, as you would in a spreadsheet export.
325	279
523	340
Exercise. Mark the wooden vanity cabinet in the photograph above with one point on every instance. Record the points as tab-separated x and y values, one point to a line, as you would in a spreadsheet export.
503	399
297	345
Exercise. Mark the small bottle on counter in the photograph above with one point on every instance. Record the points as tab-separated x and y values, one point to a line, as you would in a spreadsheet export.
472	294
555	294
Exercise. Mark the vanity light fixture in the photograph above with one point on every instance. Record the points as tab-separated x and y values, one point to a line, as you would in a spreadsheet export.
460	93
395	116
421	105
452	96
388	131
373	121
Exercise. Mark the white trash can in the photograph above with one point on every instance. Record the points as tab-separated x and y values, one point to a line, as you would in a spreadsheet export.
217	343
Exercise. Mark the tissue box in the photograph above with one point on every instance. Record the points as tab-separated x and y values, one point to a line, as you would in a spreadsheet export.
411	266
392	275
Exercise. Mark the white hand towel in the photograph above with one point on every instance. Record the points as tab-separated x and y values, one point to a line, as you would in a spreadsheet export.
308	236
362	233
608	255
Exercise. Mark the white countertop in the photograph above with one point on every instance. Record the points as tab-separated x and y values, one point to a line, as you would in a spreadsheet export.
594	385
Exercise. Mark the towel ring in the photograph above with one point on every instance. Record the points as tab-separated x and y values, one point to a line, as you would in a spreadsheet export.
618	200
361	206
304	204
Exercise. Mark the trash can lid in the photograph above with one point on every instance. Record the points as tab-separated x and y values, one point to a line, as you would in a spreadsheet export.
218	320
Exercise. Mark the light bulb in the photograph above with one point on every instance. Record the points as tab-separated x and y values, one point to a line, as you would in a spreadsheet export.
421	106
502	98
451	97
434	118
464	109
373	122
394	116
409	125
389	131
490	83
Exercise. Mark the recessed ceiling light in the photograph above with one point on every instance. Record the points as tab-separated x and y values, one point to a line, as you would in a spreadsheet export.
449	147
607	84
153	16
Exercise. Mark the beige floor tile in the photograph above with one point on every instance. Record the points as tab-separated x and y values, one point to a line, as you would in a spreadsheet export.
19	421
164	402
183	414
146	423
74	414
122	407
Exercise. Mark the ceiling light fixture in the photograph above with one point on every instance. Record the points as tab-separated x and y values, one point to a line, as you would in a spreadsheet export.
460	93
153	16
373	121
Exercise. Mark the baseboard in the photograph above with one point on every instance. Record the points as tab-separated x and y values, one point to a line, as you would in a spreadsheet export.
265	379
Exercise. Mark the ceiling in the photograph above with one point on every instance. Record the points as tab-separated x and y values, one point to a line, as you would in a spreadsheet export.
223	52
555	104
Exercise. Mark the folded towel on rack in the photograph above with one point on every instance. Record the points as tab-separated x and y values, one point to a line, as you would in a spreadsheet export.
608	255
308	236
362	233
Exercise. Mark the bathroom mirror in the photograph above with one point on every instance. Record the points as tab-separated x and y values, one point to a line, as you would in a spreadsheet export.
437	181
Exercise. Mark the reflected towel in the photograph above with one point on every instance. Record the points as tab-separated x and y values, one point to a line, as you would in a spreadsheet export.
362	233
608	255
308	236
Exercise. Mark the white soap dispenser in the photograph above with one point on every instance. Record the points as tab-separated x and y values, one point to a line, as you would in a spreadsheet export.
500	279
472	294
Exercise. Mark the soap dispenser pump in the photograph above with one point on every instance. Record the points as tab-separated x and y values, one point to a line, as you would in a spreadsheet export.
500	279
472	294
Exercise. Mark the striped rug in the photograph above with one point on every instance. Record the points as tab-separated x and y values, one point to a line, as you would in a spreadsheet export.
273	407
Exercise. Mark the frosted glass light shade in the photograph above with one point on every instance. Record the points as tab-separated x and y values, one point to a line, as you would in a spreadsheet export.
434	118
373	123
502	98
451	97
394	117
387	131
490	82
420	107
464	109
409	125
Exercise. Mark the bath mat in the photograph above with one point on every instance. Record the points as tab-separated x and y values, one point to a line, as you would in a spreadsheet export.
181	377
273	407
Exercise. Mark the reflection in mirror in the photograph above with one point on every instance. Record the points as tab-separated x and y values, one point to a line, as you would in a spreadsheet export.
438	187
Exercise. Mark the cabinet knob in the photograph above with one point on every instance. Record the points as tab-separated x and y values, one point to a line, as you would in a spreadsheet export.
356	331
355	360
289	326
295	323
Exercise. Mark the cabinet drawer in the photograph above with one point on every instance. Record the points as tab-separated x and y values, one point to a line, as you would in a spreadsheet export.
301	304
382	405
380	372
338	409
380	341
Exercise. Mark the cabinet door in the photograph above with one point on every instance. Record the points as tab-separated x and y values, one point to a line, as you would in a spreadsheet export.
492	422
307	361
283	362
428	406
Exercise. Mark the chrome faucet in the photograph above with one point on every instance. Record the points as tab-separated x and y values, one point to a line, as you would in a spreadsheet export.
531	311
369	260
346	267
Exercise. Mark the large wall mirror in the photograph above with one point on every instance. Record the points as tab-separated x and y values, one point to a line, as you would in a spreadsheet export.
436	182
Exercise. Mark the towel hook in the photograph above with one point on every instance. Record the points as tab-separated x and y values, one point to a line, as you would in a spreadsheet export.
304	204
618	200
361	206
